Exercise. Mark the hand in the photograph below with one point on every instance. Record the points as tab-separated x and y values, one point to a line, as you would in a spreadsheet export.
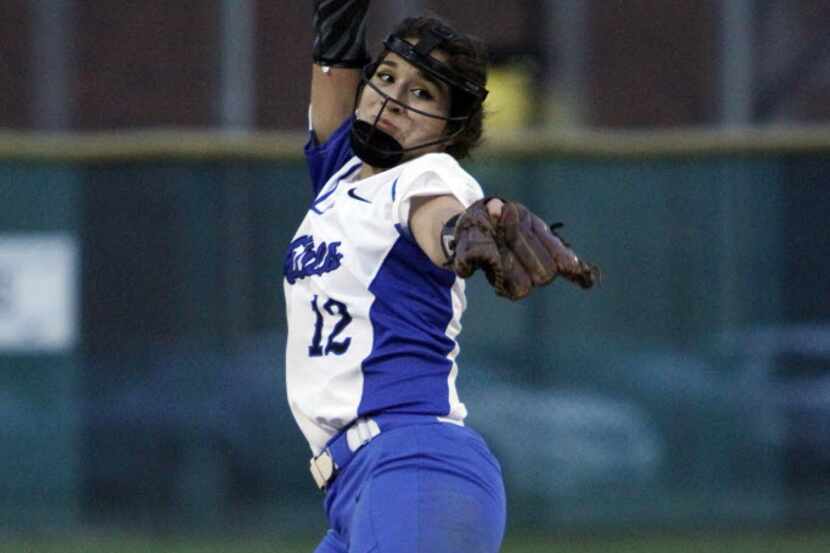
516	249
340	33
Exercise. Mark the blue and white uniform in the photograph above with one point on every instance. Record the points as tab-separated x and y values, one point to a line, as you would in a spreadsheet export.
372	327
372	321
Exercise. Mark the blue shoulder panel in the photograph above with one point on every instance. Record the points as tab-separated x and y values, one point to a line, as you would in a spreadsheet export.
325	159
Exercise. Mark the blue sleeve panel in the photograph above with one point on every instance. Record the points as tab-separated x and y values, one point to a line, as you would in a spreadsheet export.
325	159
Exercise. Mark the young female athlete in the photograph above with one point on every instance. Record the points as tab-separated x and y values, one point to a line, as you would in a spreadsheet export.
374	288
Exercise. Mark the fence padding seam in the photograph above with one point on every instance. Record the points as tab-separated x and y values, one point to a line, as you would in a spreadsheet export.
182	144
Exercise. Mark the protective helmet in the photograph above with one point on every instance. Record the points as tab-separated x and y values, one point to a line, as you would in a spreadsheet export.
380	149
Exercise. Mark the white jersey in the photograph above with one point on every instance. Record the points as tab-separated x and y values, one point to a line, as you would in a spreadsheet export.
372	322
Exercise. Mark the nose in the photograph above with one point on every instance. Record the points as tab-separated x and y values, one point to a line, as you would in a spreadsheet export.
397	95
394	108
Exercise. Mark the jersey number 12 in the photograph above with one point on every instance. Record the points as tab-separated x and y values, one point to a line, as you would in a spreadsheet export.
335	309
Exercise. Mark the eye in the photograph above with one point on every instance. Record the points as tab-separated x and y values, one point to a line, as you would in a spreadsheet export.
384	77
423	94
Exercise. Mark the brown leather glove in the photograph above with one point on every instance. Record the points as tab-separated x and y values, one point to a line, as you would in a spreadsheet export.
517	251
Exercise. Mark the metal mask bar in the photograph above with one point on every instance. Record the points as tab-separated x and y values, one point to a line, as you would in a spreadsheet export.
416	56
386	99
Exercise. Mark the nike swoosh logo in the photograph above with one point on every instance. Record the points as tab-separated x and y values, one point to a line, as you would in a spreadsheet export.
353	194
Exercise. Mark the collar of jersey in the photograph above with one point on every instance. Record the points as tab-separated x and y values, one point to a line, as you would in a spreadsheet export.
345	173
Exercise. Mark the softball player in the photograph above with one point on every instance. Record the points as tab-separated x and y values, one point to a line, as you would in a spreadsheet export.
373	299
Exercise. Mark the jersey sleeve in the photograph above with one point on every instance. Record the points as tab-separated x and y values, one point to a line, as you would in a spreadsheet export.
327	158
435	174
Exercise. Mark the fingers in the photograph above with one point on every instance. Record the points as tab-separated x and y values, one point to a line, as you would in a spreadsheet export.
567	262
475	255
540	251
524	239
588	275
519	285
494	208
476	248
515	249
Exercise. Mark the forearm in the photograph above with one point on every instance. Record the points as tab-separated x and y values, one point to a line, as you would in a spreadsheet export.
332	98
428	216
427	219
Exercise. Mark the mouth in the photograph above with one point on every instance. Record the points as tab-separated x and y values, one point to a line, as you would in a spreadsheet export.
387	126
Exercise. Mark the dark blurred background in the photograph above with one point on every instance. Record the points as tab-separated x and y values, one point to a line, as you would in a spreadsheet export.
150	179
83	65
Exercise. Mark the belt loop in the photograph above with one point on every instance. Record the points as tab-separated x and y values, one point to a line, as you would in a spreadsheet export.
363	431
339	452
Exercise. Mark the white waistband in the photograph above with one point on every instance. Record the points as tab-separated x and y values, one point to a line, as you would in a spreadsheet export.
361	431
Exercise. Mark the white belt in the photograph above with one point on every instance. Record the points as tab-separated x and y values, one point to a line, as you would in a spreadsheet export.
340	451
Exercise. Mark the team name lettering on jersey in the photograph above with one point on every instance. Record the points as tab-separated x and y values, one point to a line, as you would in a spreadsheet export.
304	259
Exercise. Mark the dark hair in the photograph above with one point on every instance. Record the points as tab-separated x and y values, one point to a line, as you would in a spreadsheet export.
467	56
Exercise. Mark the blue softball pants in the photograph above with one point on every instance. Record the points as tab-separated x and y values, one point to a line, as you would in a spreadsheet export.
422	488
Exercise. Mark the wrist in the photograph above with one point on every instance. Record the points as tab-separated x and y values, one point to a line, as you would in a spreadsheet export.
447	238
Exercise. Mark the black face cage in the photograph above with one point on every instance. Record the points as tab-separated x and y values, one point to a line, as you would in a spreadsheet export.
378	148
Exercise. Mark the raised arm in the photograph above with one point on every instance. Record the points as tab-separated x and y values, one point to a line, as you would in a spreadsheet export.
339	53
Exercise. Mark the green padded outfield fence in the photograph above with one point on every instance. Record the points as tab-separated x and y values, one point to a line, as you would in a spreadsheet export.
643	419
